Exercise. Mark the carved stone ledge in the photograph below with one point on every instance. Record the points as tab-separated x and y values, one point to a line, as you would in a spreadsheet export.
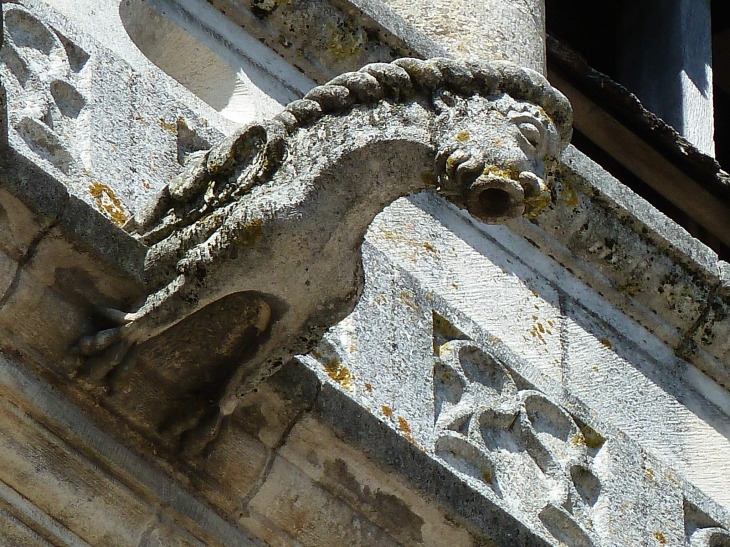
507	429
83	114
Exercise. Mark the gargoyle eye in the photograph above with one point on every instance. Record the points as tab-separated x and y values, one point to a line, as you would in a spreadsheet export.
531	132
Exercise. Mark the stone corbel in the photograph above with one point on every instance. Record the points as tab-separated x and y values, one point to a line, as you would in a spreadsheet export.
278	211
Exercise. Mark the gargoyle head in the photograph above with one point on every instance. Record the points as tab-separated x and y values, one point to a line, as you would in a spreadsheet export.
494	153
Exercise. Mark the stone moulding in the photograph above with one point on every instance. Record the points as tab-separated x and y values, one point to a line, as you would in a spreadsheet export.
279	209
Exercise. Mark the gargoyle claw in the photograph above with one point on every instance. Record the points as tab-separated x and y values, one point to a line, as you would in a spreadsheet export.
109	351
196	439
98	366
94	344
119	377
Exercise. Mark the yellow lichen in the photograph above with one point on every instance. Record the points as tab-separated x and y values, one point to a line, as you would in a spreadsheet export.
339	373
251	232
406	299
344	43
429	247
463	136
591	437
509	173
168	126
108	202
569	195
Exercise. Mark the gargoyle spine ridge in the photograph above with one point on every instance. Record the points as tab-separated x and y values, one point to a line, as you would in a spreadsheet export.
401	80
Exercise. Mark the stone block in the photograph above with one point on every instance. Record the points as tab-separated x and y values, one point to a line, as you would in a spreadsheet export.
94	466
386	499
457	27
166	536
62	485
113	136
8	268
36	318
292	503
638	270
269	413
81	263
713	338
454	261
15	532
30	202
651	396
236	461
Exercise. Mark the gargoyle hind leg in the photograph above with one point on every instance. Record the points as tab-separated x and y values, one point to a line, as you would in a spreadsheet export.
198	433
111	353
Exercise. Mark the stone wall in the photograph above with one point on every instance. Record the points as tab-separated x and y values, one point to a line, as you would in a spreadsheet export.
560	379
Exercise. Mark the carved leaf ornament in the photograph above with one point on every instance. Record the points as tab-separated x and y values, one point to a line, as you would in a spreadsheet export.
525	448
41	73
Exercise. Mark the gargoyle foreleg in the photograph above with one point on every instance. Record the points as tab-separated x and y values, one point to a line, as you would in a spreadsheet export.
111	353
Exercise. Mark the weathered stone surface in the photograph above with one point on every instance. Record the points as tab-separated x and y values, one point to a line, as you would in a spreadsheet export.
462	393
8	269
262	207
473	388
382	496
495	29
88	118
65	258
287	500
85	488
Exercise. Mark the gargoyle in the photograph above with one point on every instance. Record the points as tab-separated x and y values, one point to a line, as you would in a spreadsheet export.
279	209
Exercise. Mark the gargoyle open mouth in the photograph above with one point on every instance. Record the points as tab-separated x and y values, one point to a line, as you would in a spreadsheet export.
494	199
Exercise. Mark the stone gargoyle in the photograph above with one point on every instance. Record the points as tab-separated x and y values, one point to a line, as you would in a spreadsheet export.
279	209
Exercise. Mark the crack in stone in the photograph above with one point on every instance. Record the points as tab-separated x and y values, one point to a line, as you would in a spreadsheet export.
154	521
564	344
27	257
274	452
683	350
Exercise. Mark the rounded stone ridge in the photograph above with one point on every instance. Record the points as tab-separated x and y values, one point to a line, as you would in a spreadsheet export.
407	78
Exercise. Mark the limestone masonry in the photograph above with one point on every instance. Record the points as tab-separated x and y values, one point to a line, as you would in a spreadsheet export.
289	273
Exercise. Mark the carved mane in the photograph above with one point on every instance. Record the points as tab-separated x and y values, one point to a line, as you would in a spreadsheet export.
248	158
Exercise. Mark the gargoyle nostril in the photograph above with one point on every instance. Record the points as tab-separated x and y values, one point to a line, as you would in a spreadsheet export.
532	184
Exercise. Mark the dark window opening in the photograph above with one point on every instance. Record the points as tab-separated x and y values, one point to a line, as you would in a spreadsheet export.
721	78
626	41
589	28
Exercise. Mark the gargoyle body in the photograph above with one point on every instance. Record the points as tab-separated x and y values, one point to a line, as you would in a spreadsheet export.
279	210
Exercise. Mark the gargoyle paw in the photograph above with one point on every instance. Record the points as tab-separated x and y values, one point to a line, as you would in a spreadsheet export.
109	354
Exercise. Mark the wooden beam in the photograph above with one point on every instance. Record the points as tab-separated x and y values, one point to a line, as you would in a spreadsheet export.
645	162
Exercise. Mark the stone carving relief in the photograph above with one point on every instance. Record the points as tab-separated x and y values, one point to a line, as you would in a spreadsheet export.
279	209
43	73
528	450
702	530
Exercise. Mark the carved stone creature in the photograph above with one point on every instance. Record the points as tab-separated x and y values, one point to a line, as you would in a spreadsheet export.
279	209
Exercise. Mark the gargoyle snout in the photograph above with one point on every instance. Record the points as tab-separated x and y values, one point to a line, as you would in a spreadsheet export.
493	199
